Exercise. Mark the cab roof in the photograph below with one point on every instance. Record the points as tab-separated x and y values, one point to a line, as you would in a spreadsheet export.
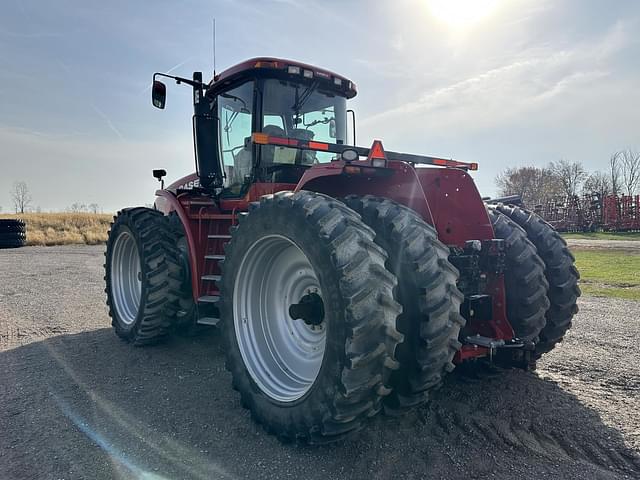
282	66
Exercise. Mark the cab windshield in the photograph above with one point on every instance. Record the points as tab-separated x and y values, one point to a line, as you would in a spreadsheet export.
304	112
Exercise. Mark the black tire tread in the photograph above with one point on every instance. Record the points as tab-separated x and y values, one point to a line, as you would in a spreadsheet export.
431	319
12	225
371	336
159	257
560	272
525	281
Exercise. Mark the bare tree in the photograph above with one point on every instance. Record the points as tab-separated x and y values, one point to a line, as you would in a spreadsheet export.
94	208
78	208
534	185
569	174
630	166
614	173
597	182
20	196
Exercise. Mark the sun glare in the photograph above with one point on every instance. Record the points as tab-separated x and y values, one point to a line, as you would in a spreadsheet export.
461	13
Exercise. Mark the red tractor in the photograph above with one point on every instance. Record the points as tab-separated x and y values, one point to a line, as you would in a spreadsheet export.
346	280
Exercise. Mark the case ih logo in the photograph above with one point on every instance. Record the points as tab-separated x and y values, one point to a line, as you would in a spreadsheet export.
190	185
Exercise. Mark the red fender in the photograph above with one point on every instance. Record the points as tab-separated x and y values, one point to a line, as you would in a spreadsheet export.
401	184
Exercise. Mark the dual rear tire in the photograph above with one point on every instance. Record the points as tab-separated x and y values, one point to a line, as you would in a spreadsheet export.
311	312
541	279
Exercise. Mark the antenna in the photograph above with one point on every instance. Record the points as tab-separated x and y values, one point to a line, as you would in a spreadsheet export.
214	47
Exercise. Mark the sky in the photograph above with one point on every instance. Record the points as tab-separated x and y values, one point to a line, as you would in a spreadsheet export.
499	82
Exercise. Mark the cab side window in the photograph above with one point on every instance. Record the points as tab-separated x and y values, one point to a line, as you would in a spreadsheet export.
235	113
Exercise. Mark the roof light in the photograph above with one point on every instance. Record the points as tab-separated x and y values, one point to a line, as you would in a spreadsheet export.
308	73
337	81
266	64
293	70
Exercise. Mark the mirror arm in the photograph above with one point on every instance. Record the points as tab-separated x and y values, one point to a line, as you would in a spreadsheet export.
180	80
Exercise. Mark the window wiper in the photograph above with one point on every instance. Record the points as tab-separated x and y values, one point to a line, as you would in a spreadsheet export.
302	99
244	108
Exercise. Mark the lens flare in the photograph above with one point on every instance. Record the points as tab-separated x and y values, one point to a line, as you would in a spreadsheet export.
461	13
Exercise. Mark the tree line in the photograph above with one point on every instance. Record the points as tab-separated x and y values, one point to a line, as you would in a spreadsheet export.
537	185
22	201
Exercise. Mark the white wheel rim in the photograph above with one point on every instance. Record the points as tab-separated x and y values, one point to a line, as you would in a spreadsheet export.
126	281
282	355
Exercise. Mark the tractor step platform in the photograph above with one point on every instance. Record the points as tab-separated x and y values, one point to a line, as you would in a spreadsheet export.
212	321
211	278
218	237
214	257
209	299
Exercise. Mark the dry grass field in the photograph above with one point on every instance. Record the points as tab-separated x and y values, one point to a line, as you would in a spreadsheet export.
65	228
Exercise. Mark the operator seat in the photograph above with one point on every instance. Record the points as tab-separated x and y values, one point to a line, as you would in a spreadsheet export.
242	163
307	157
269	151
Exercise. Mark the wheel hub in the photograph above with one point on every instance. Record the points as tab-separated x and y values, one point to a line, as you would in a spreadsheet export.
309	309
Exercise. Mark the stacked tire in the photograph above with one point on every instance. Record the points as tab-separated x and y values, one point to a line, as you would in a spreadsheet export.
13	233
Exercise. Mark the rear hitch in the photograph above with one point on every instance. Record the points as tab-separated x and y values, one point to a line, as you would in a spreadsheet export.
518	351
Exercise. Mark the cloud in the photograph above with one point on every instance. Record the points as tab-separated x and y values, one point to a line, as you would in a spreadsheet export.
529	81
108	120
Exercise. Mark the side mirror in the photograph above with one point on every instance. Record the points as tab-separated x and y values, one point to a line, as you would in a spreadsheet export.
159	174
158	94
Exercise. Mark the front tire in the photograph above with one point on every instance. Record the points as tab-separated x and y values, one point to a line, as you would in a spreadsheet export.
320	376
141	275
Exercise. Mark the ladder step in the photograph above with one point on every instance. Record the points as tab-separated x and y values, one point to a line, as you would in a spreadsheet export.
214	257
209	299
208	321
216	237
211	278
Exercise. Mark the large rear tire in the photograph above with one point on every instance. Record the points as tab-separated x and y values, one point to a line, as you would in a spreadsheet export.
560	272
430	319
319	377
525	283
142	274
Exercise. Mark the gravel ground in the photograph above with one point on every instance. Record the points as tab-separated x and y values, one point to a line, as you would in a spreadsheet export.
76	402
627	245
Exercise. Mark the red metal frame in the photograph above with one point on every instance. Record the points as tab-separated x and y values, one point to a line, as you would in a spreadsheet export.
446	198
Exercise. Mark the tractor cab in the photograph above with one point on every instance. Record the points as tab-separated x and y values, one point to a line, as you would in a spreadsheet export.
280	98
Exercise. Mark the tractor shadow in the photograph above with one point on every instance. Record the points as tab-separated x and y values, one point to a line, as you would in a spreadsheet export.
90	406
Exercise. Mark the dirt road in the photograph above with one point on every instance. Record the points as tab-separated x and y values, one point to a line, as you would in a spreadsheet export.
76	402
626	245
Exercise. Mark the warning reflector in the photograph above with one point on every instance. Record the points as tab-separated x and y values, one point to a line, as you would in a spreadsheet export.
377	157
